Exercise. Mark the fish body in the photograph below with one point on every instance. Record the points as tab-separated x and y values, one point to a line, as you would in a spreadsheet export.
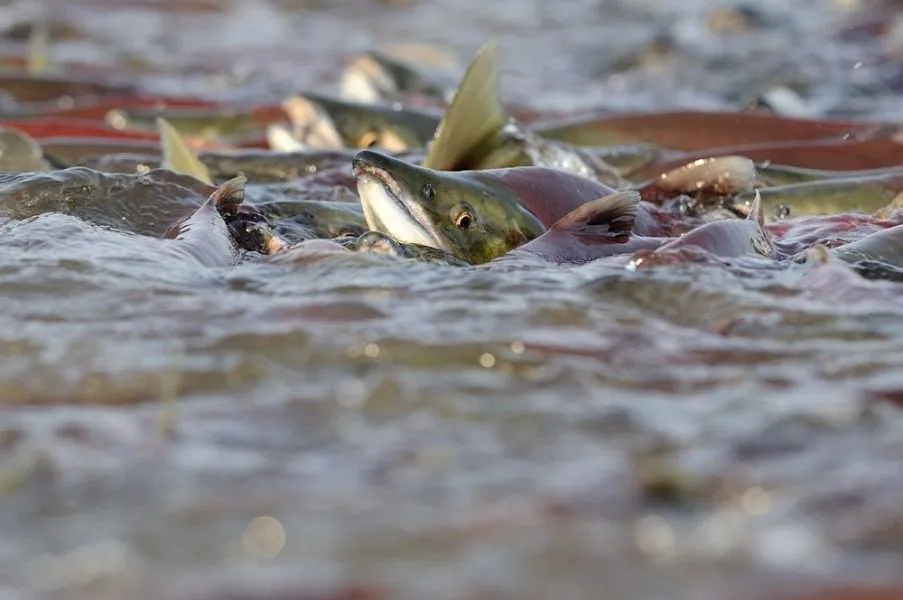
823	197
597	229
722	239
474	215
204	236
328	123
695	131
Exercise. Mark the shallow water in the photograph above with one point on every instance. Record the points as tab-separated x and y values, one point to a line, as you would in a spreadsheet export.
358	426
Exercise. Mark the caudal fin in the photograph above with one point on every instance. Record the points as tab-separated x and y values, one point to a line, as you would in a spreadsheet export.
474	117
177	156
610	217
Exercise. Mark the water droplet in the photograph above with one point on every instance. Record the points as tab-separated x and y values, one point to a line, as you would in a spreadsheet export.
487	360
517	347
371	350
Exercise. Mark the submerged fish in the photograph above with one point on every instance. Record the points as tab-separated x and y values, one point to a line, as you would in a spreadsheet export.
327	123
199	122
694	130
20	152
144	204
376	242
884	247
774	175
75	151
598	229
834	154
204	236
829	196
248	228
46	87
724	239
380	75
702	179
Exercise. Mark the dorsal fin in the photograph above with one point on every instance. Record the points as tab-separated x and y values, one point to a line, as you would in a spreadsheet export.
473	118
177	156
756	211
229	196
611	216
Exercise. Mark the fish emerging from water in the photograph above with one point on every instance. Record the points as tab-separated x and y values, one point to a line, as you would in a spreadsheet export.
474	215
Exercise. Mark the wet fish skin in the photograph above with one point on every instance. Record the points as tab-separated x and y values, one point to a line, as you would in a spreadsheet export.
885	247
74	151
139	203
598	229
475	215
832	154
44	87
376	76
205	236
829	196
773	175
318	218
20	152
697	130
194	122
702	179
264	165
461	215
328	123
379	243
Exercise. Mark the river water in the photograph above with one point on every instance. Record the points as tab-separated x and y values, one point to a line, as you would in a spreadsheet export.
355	426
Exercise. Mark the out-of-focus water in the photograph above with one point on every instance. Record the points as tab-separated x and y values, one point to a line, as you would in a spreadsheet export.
360	426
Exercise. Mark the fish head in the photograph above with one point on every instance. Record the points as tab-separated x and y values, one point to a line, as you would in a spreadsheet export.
461	215
327	123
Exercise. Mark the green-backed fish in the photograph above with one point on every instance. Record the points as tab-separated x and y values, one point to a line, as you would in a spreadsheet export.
196	122
829	196
474	215
328	123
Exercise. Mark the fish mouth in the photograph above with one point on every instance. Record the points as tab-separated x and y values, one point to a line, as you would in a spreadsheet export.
388	210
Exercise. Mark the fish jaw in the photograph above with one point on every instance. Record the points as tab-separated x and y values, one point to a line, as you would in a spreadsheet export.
388	209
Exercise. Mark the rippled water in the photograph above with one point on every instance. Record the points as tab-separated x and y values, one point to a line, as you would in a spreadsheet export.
359	426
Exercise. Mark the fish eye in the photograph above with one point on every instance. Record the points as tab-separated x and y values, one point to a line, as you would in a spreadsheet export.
428	191
464	220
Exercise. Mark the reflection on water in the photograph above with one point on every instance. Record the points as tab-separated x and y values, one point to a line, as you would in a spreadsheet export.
359	426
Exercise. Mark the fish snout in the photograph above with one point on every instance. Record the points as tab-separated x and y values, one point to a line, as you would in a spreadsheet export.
370	162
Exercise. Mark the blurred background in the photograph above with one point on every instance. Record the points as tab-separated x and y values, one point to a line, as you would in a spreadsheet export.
839	56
